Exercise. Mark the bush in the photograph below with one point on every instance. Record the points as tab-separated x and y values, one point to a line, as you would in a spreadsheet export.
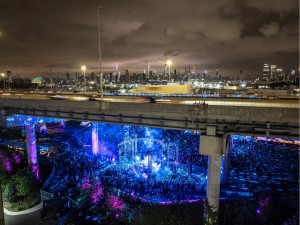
21	191
24	184
9	193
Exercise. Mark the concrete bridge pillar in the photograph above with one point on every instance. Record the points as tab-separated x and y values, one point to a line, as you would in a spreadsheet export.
31	144
226	149
211	145
213	181
135	147
31	149
95	138
2	222
167	153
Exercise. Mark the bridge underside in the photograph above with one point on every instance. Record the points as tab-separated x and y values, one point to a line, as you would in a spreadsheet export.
21	120
250	128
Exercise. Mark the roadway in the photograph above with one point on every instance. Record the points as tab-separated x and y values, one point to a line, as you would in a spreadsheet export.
213	101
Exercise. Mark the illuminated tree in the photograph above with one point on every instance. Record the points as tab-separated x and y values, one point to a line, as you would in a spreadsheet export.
97	193
114	203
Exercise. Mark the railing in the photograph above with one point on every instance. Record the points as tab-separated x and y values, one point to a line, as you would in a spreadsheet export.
44	194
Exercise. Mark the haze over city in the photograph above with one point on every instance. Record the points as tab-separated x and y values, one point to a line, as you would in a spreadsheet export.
226	35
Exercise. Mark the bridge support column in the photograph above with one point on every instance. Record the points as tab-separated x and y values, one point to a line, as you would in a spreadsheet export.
226	149
135	148
31	149
31	143
95	138
211	145
167	153
213	181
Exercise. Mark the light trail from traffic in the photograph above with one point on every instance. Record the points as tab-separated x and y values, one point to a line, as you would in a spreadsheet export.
247	102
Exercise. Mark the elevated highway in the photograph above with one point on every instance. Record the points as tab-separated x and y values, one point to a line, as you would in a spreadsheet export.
215	118
229	116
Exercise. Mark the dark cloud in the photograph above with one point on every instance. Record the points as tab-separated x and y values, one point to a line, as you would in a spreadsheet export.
172	52
227	35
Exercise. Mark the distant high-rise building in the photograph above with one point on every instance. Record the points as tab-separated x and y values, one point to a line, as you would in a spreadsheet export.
217	73
165	72
194	72
68	76
204	75
266	72
241	74
279	74
148	71
273	72
93	76
127	76
8	73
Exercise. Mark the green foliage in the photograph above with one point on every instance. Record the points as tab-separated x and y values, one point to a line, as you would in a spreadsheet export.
3	180
9	193
20	191
24	183
211	215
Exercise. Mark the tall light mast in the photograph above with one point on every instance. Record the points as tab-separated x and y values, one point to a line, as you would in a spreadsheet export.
99	51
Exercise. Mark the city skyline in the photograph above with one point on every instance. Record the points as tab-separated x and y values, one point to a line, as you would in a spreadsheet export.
228	35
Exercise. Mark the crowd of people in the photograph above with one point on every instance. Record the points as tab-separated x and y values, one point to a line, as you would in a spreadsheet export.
133	179
264	165
253	164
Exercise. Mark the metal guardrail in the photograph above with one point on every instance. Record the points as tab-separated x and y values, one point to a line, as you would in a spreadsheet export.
44	194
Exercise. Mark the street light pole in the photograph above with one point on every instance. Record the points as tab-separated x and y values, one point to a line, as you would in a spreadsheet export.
99	51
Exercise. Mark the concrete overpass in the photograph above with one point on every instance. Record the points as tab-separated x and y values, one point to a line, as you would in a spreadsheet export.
272	120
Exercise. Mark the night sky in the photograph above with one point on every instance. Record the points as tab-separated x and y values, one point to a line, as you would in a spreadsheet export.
228	35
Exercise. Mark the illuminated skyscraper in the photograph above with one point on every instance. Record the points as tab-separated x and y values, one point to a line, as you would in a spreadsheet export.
266	72
194	72
273	72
